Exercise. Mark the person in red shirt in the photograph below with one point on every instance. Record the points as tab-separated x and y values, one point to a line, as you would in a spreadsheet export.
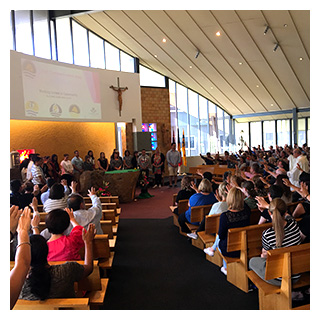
62	247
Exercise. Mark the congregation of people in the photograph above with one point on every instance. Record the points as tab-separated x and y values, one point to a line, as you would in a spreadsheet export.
276	178
264	180
70	226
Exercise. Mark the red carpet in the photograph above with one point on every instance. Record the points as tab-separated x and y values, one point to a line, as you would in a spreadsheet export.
156	207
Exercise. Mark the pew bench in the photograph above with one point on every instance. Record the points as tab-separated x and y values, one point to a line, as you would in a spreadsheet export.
105	199
94	286
197	215
247	240
101	252
208	237
283	262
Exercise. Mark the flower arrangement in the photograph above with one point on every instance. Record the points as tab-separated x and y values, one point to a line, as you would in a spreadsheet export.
102	191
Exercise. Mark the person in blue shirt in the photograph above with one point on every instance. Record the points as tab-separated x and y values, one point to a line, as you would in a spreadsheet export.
204	196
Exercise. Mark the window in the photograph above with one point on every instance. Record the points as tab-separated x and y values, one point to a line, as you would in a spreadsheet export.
308	131
269	134
204	128
80	45
64	44
173	107
192	149
301	131
283	132
23	32
256	136
96	51
149	78
213	129
112	57
41	34
151	127
182	108
242	134
220	128
126	62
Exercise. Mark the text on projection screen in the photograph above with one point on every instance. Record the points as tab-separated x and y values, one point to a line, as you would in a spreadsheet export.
59	92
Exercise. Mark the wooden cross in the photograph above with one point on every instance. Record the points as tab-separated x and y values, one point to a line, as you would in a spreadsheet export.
119	90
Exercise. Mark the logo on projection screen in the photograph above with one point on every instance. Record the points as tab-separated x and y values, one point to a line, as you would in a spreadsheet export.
74	111
31	108
55	110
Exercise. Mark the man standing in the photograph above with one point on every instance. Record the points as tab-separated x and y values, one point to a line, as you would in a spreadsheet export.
173	159
37	173
294	172
144	162
77	163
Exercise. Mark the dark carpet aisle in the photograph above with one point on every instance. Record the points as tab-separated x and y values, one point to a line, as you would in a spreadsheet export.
155	268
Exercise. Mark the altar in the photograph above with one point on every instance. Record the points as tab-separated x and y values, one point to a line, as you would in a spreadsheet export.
122	183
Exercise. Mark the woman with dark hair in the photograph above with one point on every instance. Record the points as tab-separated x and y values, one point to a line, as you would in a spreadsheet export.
103	163
62	247
247	187
91	159
56	167
57	197
287	194
57	281
127	160
116	161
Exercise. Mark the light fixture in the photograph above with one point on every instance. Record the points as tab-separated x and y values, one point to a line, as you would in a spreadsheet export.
276	47
257	86
155	56
197	54
300	58
164	40
285	25
240	63
218	34
266	30
190	67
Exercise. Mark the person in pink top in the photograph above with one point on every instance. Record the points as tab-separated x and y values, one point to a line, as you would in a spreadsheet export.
61	247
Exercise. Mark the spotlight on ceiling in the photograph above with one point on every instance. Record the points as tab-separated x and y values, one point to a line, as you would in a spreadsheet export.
266	30
276	47
197	54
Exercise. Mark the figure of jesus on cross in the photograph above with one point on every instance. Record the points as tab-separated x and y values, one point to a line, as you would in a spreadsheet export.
119	90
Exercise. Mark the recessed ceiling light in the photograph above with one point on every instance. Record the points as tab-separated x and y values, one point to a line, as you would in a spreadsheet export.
285	25
164	40
211	87
257	86
300	58
190	67
271	104
240	63
218	34
155	56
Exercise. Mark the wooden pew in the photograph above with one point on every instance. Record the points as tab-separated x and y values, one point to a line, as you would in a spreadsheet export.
94	286
197	214
283	263
101	252
182	207
248	241
216	170
208	236
105	199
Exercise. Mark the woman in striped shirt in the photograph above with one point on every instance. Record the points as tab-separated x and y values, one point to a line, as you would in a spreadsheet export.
283	233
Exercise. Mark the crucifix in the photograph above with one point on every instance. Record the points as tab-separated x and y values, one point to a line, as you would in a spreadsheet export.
119	90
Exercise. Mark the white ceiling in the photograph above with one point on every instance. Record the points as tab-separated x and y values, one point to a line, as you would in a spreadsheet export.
238	70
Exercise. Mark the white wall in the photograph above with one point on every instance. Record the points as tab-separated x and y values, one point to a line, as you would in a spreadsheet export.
131	107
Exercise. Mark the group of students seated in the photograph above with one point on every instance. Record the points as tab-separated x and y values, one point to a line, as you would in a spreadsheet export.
269	181
69	227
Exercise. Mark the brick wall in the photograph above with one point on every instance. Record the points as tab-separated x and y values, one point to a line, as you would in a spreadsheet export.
155	107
